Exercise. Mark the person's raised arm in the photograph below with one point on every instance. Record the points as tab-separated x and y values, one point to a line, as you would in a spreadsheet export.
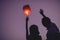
27	28
41	12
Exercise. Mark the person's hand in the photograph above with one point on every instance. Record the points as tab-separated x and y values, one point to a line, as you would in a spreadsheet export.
27	18
41	11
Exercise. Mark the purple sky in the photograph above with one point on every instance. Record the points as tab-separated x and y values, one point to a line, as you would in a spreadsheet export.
13	18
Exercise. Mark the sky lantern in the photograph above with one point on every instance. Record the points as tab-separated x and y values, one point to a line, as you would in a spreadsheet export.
27	10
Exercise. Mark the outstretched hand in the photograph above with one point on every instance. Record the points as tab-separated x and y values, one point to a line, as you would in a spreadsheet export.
41	11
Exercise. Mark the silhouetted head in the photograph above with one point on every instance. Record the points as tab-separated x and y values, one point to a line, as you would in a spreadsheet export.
46	21
34	30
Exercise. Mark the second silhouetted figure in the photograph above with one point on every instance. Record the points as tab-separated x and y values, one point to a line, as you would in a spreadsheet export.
53	32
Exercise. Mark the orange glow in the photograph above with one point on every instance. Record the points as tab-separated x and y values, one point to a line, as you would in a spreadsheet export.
26	10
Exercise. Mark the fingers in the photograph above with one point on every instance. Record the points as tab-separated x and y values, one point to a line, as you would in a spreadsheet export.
41	9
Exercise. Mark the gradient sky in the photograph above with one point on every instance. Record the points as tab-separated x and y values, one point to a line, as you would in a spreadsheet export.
13	18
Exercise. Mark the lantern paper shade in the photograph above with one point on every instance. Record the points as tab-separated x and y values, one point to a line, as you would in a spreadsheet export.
26	10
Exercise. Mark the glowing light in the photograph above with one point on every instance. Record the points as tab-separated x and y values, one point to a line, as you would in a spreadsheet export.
26	10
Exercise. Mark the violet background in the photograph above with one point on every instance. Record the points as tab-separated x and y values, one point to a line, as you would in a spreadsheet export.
13	18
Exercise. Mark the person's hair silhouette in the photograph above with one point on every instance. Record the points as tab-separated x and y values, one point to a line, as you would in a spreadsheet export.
53	32
34	30
46	22
34	33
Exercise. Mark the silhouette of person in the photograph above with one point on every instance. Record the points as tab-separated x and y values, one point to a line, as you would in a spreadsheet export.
53	32
34	33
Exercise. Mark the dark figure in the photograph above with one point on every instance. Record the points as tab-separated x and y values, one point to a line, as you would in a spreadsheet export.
53	32
34	33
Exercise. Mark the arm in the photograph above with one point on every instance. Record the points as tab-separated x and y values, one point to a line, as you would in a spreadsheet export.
26	28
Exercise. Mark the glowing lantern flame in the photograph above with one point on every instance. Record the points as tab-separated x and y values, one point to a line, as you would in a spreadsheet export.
26	10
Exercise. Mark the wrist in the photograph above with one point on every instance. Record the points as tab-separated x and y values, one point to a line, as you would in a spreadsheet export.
27	18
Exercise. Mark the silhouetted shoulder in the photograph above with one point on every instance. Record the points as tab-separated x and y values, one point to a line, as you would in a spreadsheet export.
54	25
